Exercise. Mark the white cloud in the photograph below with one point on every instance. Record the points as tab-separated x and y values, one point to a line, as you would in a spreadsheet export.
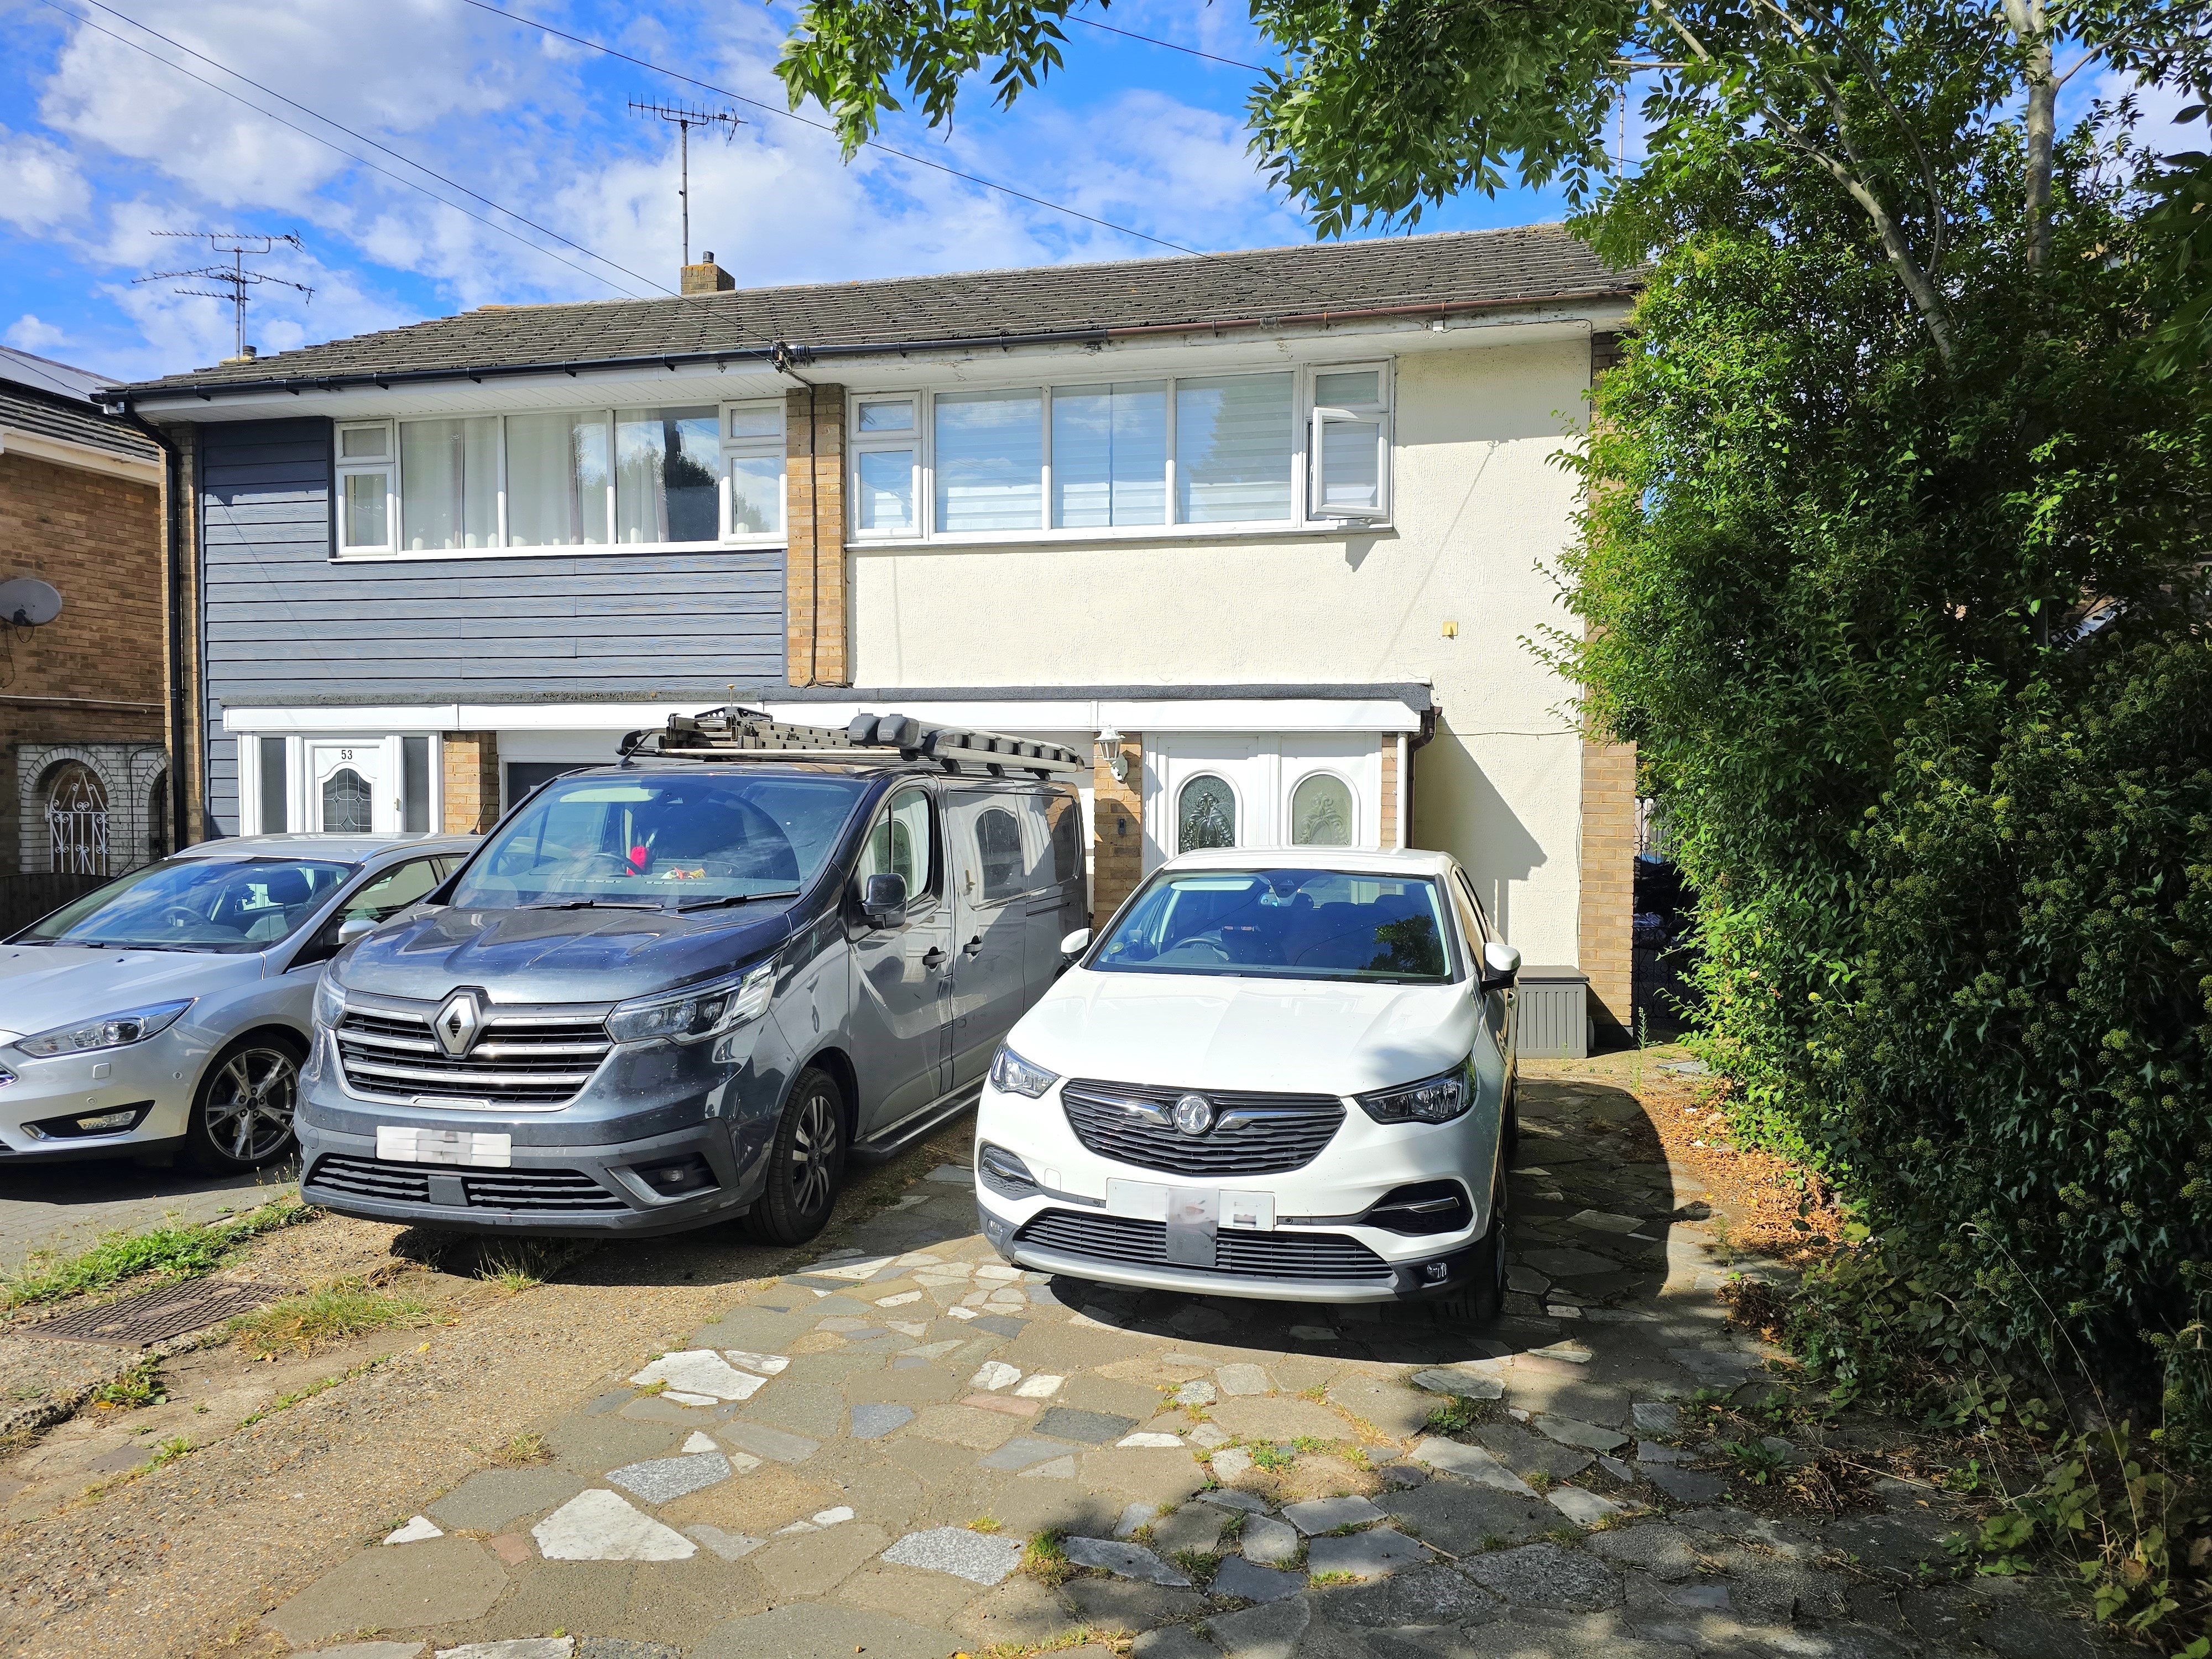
39	184
30	332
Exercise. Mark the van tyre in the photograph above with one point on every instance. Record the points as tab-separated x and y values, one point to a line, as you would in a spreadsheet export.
242	1114
1484	1298
805	1163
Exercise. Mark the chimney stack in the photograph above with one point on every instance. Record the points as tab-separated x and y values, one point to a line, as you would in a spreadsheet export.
707	277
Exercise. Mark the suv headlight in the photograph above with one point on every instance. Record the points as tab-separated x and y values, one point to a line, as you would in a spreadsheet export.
1433	1100
695	1015
109	1031
329	1002
1012	1075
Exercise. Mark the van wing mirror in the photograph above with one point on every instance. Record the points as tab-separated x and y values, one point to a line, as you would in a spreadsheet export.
1501	964
883	899
1076	943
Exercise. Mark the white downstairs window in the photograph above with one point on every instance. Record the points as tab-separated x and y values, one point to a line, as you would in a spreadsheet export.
365	488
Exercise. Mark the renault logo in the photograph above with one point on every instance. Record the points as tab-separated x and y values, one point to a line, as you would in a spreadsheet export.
1193	1115
456	1022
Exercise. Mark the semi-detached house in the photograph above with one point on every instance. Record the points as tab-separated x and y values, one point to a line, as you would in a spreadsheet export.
1269	533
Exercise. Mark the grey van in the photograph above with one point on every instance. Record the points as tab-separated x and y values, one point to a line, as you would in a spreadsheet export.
692	985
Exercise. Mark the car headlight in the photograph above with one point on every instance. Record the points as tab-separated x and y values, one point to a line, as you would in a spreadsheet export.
1433	1100
109	1031
1011	1074
695	1015
330	1003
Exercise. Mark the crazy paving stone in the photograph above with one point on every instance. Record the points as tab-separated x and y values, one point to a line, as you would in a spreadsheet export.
1248	1581
1463	1518
599	1526
872	1422
1001	1324
1229	1497
1684	1485
1264	1632
1124	1561
1320	1514
1546	1575
824	1631
1665	1553
1239	1379
974	1556
1416	1595
1192	1528
1364	1554
729	1546
1569	1432
1529	1454
1465	1385
487	1501
1060	1469
1136	1515
1470	1463
1197	1392
1145	1440
1043	1386
1584	1509
663	1479
773	1444
1269	1542
1129	1604
1090	1428
1022	1452
700	1371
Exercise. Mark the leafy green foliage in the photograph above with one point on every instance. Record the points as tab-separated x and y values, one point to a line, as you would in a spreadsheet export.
168	1252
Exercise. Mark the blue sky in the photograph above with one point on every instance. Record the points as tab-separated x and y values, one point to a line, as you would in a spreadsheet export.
100	145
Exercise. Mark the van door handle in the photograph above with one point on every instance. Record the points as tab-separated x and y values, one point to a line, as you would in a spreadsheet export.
934	958
973	947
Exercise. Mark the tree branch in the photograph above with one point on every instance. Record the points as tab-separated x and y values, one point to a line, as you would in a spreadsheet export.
2030	27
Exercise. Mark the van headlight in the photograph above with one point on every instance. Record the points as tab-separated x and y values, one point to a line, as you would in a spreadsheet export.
695	1015
1433	1100
330	1003
1012	1075
109	1031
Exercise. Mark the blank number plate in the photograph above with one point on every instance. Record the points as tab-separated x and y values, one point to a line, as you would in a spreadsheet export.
465	1147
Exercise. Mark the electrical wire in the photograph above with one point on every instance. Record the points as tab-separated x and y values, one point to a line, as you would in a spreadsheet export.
823	126
1168	46
317	137
452	184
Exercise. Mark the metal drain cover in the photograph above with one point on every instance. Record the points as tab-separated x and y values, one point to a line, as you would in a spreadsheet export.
157	1315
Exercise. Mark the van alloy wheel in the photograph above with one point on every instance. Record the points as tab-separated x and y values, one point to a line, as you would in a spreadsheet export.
806	1160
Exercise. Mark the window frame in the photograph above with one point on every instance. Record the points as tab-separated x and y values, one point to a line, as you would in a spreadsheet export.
916	902
300	810
751	446
1320	417
1300	440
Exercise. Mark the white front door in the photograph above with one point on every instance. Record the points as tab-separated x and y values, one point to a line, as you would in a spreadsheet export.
349	787
1294	789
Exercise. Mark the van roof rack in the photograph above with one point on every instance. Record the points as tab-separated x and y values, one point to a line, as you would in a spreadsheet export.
735	733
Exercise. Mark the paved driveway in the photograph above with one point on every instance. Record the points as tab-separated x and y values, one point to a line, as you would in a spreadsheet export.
850	1460
65	1207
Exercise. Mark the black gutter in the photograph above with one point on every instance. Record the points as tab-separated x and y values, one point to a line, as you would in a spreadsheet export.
172	506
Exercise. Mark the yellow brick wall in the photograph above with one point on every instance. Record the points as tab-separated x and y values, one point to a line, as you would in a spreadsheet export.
816	629
1117	824
471	781
1606	918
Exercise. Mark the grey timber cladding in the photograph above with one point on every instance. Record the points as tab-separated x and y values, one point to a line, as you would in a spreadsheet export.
284	623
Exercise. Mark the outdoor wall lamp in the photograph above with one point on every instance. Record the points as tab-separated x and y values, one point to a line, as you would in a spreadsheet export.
1109	745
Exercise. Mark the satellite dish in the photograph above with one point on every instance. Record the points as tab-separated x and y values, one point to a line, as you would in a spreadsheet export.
27	602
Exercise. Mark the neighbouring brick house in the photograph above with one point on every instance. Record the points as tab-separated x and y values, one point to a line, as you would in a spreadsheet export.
1269	532
83	769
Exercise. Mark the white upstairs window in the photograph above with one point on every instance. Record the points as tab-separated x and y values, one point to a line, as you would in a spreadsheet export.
1348	464
366	497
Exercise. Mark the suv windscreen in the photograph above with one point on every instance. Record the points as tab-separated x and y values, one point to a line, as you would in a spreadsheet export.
663	839
1284	924
231	905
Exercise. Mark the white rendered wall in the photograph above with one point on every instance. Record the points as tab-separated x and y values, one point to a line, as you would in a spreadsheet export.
1481	510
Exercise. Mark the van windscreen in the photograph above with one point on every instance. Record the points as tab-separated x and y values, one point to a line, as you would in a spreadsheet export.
662	840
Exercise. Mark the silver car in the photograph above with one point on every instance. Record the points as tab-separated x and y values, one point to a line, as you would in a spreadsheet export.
171	1009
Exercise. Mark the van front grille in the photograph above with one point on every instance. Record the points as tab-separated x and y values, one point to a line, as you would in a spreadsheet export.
529	1191
531	1062
1254	1135
1236	1253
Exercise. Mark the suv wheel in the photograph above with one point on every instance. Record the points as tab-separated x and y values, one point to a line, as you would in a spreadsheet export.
242	1116
805	1162
1484	1298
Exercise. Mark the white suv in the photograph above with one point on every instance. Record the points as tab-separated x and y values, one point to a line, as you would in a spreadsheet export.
1285	1074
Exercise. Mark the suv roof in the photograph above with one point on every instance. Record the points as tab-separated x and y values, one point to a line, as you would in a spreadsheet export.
1353	860
350	849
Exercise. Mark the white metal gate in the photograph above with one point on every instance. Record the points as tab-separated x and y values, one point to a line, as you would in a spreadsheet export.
76	822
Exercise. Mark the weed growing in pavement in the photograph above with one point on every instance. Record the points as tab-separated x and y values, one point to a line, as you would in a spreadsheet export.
137	1388
1233	1528
1455	1416
1754	1462
1570	1536
523	1264
1045	1560
1267	1455
302	1323
986	1523
1200	1565
170	1451
284	1402
1082	1637
170	1252
658	1385
1541	1479
1492	1541
1324	1580
523	1449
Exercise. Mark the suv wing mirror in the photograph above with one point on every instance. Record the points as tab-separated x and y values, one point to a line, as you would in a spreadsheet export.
882	900
1501	964
352	927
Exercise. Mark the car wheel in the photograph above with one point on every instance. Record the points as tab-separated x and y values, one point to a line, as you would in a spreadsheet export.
805	1162
242	1117
1484	1298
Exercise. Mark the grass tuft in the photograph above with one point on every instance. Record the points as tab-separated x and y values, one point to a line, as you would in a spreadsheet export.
300	1324
1046	1560
171	1253
136	1388
522	1450
1324	1580
170	1451
986	1523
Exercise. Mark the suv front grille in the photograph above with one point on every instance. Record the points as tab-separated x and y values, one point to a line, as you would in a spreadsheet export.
1236	1253
1254	1134
562	1191
533	1061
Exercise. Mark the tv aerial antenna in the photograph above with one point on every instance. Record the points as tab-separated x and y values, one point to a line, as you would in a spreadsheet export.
685	118
235	280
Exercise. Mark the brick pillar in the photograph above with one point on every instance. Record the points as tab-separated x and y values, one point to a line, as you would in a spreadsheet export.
1117	831
1606	918
1389	802
814	588
471	779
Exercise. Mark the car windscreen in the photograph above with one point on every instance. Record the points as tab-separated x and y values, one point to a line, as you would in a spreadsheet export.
232	905
1284	924
662	840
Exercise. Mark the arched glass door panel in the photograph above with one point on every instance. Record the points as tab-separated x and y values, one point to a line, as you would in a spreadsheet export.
1205	814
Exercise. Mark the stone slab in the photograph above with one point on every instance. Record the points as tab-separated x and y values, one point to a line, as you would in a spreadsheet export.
486	1502
874	1420
1265	1633
1269	1541
977	1557
1569	1431
1684	1485
824	1631
1546	1576
1370	1554
447	1581
1423	1597
665	1480
1248	1582
778	1445
1444	1379
1320	1515
1474	1463
598	1525
1088	1428
1124	1561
